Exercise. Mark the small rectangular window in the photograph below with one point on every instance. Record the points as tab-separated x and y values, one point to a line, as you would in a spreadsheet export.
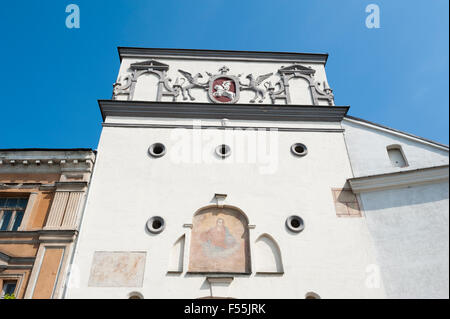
17	220
5	219
11	202
9	287
396	156
12	210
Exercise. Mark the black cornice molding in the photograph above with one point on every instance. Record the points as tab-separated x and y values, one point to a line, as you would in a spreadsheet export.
219	111
222	54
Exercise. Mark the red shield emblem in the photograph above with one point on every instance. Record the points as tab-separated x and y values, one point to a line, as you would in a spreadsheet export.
223	89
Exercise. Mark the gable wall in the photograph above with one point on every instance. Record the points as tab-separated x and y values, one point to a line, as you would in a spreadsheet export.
368	155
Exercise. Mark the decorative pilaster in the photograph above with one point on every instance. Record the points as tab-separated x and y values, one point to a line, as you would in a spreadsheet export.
57	210
66	206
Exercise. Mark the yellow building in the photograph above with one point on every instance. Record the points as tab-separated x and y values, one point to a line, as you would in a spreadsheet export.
42	194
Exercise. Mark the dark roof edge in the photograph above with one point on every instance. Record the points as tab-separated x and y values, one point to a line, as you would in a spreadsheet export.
268	112
267	55
395	130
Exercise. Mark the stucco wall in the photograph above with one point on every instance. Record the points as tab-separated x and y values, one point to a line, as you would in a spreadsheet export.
330	257
368	154
410	229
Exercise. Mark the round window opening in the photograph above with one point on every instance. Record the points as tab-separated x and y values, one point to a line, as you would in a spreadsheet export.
155	225
312	295
299	149
157	150
135	295
223	150
295	223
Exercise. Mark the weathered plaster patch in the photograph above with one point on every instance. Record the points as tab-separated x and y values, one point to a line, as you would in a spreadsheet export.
117	269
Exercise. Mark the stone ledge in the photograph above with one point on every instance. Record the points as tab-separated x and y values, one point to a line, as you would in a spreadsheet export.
400	179
268	112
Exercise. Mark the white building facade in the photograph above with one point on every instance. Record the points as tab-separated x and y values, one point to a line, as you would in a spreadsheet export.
225	174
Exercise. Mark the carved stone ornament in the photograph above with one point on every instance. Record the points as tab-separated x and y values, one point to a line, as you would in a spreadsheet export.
298	71
223	88
253	85
193	83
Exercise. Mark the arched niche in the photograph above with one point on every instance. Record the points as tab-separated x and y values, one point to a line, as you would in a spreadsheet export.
219	241
146	87
396	155
177	256
300	91
268	256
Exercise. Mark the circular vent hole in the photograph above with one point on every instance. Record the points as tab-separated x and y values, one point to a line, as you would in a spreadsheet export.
299	149
295	223
135	295
155	225
312	295
157	150
223	150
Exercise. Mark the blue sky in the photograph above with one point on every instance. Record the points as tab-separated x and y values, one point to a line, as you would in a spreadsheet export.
52	76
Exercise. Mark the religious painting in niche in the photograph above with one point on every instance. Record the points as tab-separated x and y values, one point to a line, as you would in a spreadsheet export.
219	242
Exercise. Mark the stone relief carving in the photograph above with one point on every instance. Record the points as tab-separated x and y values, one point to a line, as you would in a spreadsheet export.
223	87
298	71
253	86
193	83
154	67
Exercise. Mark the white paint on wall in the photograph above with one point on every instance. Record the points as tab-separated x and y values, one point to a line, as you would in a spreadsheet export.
146	88
177	255
268	255
329	257
368	154
409	225
410	230
300	92
396	156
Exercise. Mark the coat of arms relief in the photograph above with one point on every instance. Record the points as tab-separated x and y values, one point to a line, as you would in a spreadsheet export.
223	87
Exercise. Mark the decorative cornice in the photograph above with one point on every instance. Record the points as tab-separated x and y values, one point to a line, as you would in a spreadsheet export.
21	185
10	260
131	52
57	186
71	186
57	236
401	179
73	164
220	111
149	64
229	127
53	236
